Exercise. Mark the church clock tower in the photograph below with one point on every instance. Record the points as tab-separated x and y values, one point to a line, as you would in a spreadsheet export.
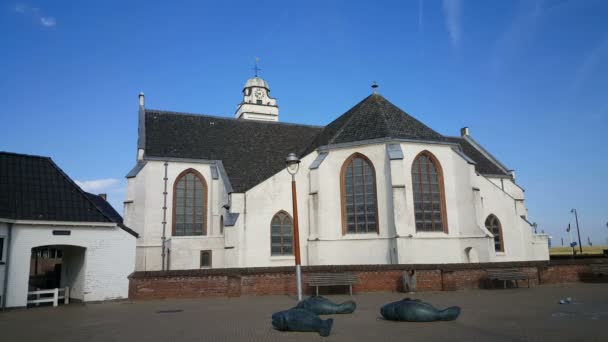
257	103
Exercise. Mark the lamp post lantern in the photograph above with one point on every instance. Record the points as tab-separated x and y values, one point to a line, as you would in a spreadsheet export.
293	164
580	246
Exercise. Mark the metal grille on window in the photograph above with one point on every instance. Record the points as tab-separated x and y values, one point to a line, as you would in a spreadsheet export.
189	205
281	234
360	193
427	195
493	225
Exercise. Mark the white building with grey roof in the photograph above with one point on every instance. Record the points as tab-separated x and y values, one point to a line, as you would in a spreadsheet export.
375	186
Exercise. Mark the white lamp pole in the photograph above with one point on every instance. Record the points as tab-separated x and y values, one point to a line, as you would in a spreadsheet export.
293	164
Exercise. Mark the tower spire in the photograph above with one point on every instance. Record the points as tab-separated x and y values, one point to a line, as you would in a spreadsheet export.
375	87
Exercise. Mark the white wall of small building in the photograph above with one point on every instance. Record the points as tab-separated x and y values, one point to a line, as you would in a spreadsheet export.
108	260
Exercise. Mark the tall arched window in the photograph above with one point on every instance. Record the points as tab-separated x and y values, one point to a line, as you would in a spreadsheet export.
494	226
281	234
189	204
359	204
429	197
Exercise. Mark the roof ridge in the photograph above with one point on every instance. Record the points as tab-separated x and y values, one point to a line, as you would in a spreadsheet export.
24	155
230	119
382	113
82	192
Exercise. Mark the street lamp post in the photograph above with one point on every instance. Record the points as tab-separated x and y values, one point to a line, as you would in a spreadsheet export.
293	164
580	246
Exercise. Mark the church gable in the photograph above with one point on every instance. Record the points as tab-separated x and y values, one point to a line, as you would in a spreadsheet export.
374	118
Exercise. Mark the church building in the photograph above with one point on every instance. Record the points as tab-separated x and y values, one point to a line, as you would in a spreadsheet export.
375	186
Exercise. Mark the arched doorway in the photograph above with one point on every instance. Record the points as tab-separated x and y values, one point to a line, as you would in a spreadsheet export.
57	266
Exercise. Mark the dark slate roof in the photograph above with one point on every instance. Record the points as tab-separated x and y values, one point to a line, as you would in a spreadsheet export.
483	165
373	118
251	151
110	212
105	207
35	188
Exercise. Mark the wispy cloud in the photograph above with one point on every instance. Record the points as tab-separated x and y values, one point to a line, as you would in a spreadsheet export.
597	55
99	185
36	13
452	11
47	21
20	8
420	15
520	33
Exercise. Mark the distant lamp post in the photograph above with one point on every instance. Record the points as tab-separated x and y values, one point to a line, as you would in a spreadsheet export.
293	164
578	231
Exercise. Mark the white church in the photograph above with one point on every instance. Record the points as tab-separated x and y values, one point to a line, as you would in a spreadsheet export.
375	186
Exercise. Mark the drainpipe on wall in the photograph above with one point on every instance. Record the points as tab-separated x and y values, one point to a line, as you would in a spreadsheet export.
163	238
7	265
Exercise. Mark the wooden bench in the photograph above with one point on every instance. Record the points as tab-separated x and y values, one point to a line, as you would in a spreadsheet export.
508	274
599	269
332	279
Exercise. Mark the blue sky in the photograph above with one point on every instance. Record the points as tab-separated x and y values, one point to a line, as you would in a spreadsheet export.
528	77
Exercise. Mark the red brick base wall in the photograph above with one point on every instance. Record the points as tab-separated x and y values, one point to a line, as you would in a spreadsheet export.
235	282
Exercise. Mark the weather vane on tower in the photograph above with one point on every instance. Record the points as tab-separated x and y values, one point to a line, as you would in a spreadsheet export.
256	69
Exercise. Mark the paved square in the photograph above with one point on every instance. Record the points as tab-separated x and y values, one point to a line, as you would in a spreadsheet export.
489	315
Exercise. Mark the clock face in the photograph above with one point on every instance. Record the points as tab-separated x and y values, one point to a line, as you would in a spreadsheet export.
259	93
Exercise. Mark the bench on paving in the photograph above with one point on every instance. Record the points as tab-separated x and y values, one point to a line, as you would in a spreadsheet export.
332	279
508	274
599	269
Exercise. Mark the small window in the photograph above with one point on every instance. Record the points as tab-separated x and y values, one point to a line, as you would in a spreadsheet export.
494	226
221	225
281	234
205	259
258	101
1	248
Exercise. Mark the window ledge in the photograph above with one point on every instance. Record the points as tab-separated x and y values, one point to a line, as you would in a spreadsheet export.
282	257
501	253
195	237
360	235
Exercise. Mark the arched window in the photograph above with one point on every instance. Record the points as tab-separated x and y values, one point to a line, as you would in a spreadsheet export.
494	226
281	234
189	204
429	197
359	204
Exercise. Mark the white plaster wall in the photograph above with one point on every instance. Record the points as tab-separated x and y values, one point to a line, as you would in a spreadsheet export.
185	251
260	204
508	186
146	191
517	234
73	270
469	200
109	259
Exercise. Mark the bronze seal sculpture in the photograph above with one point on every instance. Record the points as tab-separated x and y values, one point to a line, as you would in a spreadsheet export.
414	310
323	306
301	320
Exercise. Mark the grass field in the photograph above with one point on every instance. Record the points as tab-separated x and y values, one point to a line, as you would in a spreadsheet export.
568	250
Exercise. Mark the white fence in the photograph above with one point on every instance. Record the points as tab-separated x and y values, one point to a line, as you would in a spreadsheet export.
49	296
